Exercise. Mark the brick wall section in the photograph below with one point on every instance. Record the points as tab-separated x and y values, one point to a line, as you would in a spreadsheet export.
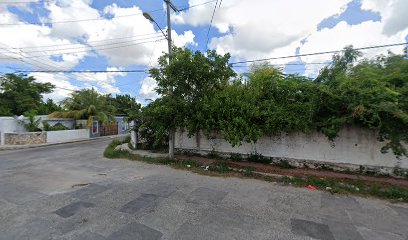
25	138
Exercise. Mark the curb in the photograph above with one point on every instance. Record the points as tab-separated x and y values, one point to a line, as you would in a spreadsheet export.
18	147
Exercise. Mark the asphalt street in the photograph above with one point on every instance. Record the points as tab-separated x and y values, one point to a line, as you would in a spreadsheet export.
71	191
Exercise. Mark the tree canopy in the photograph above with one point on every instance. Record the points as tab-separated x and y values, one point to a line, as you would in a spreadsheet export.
21	93
86	103
207	96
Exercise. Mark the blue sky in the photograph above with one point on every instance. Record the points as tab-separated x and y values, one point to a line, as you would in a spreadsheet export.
247	31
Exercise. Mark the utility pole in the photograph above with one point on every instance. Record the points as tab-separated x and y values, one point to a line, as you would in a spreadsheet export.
171	130
148	17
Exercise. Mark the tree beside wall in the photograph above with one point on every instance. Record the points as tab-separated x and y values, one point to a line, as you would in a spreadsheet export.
207	96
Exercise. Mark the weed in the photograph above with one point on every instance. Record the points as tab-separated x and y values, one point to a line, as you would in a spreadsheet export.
110	151
222	169
236	157
249	170
284	164
219	167
213	155
259	158
323	167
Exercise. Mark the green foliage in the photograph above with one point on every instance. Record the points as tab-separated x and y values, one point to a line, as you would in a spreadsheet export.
249	170
48	107
48	127
221	167
193	77
371	94
20	93
284	164
32	123
258	158
124	105
236	157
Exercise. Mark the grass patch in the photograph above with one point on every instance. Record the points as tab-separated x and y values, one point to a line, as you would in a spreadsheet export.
222	169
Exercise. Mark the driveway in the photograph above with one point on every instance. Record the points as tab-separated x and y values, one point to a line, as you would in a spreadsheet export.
71	192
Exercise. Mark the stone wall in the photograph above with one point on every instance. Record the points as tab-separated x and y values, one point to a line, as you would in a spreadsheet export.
353	148
25	138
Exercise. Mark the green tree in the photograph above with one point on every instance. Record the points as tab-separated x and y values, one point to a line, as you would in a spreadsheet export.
86	103
21	93
124	104
49	107
370	93
193	77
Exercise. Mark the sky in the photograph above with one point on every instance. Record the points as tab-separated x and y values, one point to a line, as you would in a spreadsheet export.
113	35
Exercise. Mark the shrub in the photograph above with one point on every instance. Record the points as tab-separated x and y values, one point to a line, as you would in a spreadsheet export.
236	157
284	164
259	158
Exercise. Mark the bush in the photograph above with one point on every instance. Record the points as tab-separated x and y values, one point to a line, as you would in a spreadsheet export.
259	158
56	127
236	157
284	164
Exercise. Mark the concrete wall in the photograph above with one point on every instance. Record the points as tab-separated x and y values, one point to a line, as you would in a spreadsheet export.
12	125
67	135
25	138
353	146
9	125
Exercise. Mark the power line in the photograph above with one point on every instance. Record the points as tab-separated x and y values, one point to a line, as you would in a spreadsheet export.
284	64
13	3
209	27
84	71
100	19
90	46
106	48
105	40
319	53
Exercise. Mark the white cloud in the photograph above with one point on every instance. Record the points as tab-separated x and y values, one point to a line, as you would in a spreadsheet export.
147	90
261	26
394	14
63	86
66	10
103	81
362	35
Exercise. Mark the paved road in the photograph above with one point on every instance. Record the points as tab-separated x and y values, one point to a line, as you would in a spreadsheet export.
132	200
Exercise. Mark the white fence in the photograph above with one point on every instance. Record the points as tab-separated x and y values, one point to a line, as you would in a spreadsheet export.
67	135
353	146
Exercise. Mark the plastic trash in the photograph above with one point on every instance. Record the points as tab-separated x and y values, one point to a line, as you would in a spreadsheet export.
311	187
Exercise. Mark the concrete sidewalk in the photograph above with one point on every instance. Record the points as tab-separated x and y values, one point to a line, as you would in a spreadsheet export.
16	147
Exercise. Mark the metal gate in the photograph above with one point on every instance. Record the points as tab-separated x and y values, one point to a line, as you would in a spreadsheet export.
109	129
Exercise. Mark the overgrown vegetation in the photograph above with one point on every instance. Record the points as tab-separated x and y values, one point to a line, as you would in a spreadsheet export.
208	96
32	123
48	127
223	169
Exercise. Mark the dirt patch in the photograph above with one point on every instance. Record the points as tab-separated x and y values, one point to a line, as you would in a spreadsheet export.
300	172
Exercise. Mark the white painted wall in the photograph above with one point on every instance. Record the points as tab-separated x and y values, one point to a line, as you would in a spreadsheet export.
353	146
67	135
9	125
12	125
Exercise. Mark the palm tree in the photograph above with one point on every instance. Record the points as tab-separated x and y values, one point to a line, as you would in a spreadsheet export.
86	104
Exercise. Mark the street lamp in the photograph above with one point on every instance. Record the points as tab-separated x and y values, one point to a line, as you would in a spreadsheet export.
148	17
